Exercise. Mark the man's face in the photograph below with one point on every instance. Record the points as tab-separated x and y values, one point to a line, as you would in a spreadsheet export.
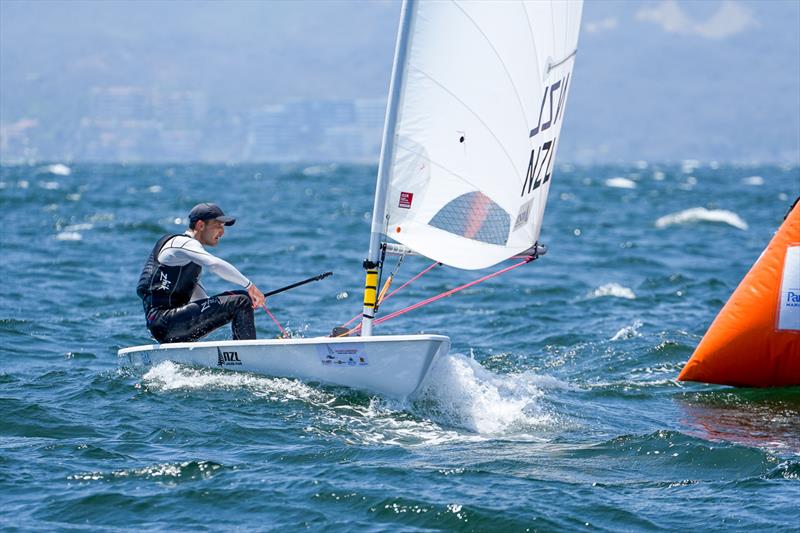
209	232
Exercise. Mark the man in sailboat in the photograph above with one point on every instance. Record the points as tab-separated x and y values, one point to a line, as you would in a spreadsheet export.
176	306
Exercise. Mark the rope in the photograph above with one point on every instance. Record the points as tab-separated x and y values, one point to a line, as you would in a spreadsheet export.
450	292
432	299
350	321
434	264
425	271
283	331
388	283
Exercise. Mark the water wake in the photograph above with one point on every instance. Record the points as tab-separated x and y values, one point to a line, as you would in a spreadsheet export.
460	392
168	376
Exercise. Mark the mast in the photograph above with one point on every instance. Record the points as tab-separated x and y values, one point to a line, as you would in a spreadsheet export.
372	264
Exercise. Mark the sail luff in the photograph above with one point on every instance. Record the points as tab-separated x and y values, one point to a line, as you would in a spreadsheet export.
385	166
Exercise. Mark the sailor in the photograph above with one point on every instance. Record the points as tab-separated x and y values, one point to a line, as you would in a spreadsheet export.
176	306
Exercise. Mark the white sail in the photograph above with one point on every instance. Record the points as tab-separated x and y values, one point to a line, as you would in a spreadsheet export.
482	99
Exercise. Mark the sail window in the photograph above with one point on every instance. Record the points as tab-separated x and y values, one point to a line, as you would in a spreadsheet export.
474	216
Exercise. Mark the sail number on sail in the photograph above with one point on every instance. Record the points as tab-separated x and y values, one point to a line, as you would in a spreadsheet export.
542	153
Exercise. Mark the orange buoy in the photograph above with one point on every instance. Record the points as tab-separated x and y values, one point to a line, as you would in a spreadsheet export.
755	339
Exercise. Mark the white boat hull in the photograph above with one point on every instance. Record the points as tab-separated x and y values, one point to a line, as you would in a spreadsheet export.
392	366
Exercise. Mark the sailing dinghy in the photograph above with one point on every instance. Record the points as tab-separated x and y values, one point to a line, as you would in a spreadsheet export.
476	102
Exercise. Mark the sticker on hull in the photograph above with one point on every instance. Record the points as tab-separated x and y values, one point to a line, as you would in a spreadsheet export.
230	358
342	355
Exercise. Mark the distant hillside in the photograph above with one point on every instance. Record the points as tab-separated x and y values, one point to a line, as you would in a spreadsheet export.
653	80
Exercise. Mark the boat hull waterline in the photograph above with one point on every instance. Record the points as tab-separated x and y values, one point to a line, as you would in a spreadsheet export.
393	366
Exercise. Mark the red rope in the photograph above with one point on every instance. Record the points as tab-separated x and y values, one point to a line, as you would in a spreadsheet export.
432	299
283	331
434	264
425	271
451	291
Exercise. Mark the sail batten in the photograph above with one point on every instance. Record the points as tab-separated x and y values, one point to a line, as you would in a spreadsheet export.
481	104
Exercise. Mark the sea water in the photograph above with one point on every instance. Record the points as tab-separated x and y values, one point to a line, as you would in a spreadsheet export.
558	408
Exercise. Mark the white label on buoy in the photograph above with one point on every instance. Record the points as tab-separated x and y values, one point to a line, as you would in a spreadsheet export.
789	310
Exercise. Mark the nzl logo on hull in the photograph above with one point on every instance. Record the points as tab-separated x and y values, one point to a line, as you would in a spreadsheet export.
227	358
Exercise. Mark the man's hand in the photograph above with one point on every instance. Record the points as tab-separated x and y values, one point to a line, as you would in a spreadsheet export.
256	296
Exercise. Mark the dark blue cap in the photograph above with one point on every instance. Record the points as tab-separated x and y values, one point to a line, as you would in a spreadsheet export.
206	212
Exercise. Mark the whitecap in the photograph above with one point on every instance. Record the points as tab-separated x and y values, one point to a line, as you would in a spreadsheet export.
460	392
753	180
613	289
74	197
628	332
318	170
689	184
78	227
102	217
701	214
154	188
69	236
621	183
58	169
689	165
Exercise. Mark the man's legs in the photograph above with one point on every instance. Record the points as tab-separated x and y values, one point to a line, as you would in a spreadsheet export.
201	317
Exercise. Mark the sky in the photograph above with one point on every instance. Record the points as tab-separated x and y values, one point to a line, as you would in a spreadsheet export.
654	80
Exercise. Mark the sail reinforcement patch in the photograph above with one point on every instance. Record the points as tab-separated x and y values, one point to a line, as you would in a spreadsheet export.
474	216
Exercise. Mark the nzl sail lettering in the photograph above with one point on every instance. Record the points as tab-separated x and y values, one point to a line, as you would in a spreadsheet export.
541	161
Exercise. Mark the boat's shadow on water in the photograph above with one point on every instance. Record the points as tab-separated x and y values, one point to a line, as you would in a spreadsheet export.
762	418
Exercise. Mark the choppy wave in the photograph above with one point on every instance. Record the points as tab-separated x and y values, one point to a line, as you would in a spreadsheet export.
753	180
701	214
79	227
58	169
173	472
628	332
621	183
611	437
69	236
613	289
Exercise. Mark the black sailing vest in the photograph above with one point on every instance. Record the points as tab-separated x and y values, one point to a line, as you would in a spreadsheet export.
163	287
